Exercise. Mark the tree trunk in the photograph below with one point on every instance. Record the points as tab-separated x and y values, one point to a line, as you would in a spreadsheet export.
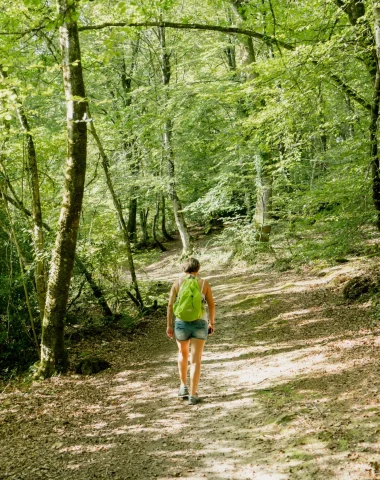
374	121
96	290
163	220
263	208
154	228
38	237
53	352
126	82
132	220
355	10
144	225
168	151
105	163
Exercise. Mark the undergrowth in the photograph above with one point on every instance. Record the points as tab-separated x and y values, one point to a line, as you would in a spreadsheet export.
293	242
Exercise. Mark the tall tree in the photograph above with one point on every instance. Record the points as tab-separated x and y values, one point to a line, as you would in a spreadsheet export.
168	147
53	352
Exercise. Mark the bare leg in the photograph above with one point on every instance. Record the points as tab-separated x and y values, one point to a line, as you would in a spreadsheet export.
183	360
195	363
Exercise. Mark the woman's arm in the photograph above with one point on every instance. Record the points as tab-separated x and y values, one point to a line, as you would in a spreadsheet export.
211	306
169	316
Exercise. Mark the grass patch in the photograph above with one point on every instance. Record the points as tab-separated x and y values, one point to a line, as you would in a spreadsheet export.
250	302
300	455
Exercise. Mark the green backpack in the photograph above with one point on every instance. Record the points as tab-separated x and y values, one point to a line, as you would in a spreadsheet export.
189	304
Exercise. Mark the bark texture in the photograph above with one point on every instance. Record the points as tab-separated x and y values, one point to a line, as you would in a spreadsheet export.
53	353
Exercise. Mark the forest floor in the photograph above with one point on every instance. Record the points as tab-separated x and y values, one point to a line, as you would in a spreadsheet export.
290	387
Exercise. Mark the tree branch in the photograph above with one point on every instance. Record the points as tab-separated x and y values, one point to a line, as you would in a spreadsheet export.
25	32
193	26
348	90
218	28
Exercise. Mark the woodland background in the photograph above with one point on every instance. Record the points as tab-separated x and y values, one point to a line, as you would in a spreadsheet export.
257	120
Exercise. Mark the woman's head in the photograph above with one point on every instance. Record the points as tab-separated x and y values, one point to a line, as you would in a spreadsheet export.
191	265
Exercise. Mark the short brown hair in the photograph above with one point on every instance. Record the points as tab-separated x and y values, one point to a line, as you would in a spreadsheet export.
191	265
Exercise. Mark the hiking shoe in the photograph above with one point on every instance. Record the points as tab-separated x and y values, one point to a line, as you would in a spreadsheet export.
194	400
183	392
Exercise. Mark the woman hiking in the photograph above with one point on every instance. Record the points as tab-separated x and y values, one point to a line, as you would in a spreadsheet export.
186	306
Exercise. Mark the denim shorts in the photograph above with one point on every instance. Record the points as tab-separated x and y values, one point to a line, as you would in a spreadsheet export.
186	330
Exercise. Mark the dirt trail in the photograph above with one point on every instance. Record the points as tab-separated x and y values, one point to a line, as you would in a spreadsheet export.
290	387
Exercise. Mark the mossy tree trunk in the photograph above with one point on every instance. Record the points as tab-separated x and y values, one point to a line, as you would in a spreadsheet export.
53	352
373	129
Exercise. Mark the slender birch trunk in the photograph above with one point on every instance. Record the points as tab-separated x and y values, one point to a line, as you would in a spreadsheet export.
168	149
263	179
53	352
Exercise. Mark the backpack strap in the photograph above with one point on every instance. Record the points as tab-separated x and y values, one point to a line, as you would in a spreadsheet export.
203	284
180	282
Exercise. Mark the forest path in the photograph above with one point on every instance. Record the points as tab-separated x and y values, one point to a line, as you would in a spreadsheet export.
290	387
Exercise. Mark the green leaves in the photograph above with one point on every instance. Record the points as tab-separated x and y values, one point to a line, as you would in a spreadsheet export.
33	3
